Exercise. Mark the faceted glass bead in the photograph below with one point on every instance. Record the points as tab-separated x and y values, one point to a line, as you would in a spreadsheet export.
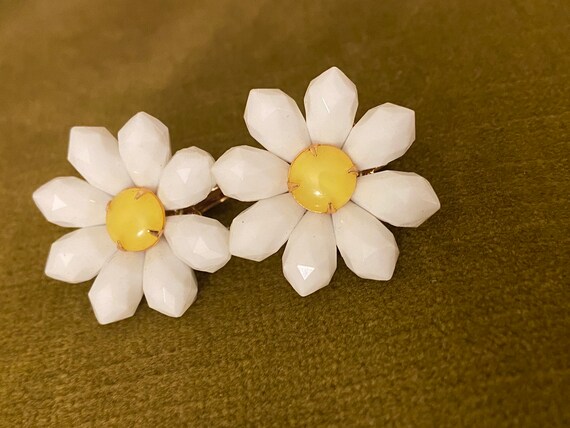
322	178
135	219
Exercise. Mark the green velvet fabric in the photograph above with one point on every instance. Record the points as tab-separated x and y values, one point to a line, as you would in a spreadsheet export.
471	331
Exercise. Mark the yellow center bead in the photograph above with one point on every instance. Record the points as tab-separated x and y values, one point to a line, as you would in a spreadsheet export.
135	219
322	178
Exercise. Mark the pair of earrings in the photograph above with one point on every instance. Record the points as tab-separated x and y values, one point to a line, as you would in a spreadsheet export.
317	186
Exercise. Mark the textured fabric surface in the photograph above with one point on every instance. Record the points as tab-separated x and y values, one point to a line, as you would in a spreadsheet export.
473	328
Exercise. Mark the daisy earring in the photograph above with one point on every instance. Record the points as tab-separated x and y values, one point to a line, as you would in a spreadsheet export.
319	184
139	217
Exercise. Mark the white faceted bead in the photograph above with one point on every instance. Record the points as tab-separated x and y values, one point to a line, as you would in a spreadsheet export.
187	179
275	121
94	153
403	199
331	102
249	174
169	285
71	202
263	228
366	245
79	255
118	289
144	145
309	260
383	134
200	242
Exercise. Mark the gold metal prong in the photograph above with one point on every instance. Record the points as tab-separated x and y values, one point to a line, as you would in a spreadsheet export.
120	246
331	209
155	233
313	148
353	170
139	194
108	206
292	186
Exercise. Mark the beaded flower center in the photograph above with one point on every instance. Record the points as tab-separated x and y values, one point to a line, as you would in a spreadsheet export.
322	178
135	219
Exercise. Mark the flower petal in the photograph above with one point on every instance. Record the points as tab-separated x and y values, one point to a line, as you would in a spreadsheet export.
71	202
79	255
117	290
249	174
144	145
366	245
169	285
187	179
383	134
403	199
263	228
94	153
200	242
309	260
275	121
331	102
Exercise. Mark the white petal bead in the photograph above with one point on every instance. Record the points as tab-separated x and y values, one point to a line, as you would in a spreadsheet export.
263	228
331	102
249	174
169	284
71	202
275	121
383	134
309	260
403	199
79	255
118	289
94	153
366	245
187	179
200	242
144	145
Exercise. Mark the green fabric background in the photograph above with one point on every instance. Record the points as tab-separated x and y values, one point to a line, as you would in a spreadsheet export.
473	328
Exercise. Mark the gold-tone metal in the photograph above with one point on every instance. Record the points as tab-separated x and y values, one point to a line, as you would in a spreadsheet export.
353	170
369	171
215	198
156	233
292	186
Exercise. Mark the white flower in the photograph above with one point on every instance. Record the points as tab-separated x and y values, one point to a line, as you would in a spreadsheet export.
328	176
122	204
